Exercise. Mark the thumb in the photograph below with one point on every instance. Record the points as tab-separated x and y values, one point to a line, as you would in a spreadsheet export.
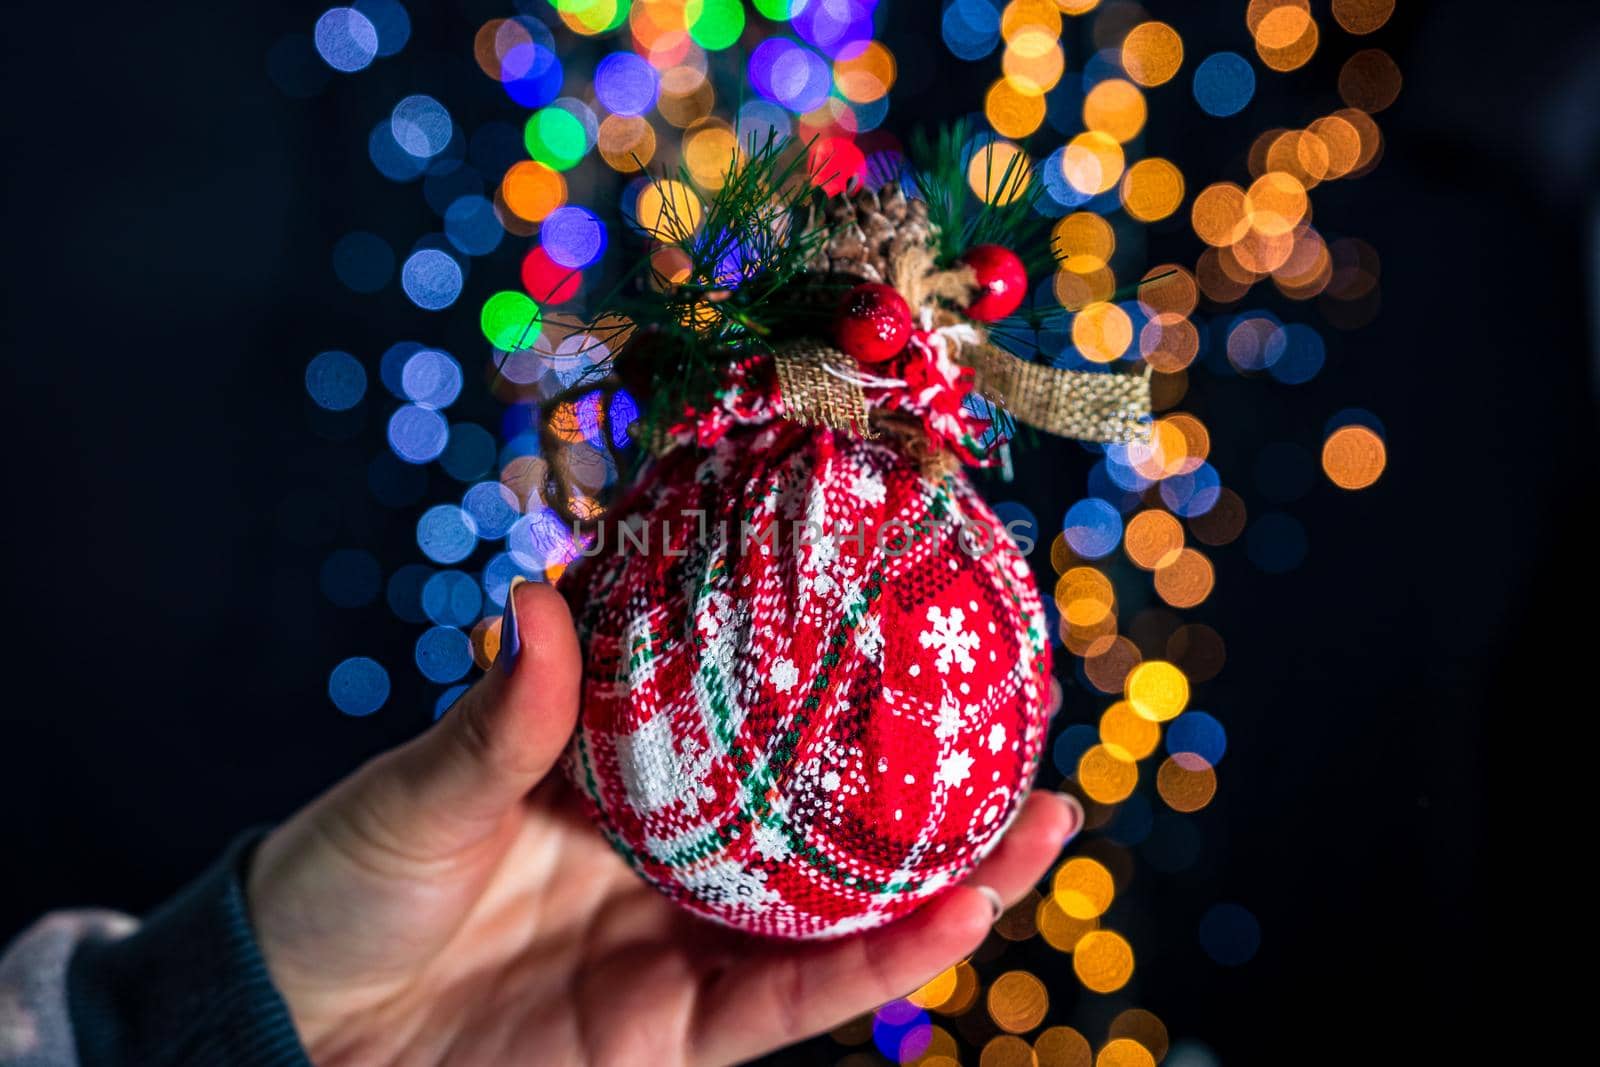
449	786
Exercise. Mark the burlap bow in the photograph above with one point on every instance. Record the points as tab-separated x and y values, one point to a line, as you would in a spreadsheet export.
822	386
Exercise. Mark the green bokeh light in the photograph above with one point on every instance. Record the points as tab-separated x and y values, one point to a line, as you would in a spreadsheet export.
776	10
556	138
594	16
511	320
714	24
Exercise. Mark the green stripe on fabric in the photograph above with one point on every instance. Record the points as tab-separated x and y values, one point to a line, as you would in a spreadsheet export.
591	787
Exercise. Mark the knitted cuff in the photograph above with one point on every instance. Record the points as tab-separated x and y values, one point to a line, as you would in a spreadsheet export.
189	987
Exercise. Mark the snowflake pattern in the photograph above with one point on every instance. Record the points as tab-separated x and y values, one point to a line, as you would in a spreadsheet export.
869	488
954	644
728	883
954	768
785	675
873	804
771	842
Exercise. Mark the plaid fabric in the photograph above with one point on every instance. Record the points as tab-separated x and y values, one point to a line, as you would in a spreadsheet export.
796	735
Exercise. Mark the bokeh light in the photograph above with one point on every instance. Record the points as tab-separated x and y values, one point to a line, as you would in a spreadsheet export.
1103	961
610	99
1353	457
1224	84
346	39
359	686
1152	53
336	381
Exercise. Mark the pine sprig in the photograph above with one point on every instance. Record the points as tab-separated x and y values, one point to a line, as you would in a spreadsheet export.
1005	213
717	278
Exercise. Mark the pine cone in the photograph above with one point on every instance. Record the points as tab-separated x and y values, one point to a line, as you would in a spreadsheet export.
869	229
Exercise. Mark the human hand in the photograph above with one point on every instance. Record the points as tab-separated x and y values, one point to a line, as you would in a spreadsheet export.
450	903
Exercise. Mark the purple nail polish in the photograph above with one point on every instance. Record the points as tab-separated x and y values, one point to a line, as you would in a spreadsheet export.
510	636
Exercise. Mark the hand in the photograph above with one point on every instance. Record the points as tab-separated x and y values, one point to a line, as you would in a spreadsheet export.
449	903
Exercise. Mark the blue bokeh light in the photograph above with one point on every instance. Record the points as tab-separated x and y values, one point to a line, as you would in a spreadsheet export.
431	278
443	654
1019	523
1070	746
451	598
759	117
832	26
359	686
626	83
336	381
788	74
346	39
1223	84
431	379
446	534
404	592
531	74
1192	493
1295	354
392	364
493	508
1093	528
418	434
572	237
901	1031
1198	732
471	225
389	19
971	28
392	161
421	125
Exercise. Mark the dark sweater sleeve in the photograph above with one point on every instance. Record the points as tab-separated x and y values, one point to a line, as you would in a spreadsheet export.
190	987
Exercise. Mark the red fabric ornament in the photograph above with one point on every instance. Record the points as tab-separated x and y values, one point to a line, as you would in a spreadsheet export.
873	323
816	680
1002	282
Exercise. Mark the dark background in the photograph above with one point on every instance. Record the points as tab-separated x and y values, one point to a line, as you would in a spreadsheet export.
1398	707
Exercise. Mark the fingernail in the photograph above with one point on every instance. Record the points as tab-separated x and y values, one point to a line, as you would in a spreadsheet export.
1075	808
993	898
510	636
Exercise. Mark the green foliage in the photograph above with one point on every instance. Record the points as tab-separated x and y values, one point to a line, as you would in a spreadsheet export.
1004	215
734	271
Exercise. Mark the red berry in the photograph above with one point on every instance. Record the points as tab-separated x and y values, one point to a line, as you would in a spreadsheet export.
873	323
1002	282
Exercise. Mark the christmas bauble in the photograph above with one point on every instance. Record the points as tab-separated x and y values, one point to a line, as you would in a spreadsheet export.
1002	282
816	680
873	323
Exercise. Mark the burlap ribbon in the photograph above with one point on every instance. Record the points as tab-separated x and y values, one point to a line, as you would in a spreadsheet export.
818	388
1104	406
